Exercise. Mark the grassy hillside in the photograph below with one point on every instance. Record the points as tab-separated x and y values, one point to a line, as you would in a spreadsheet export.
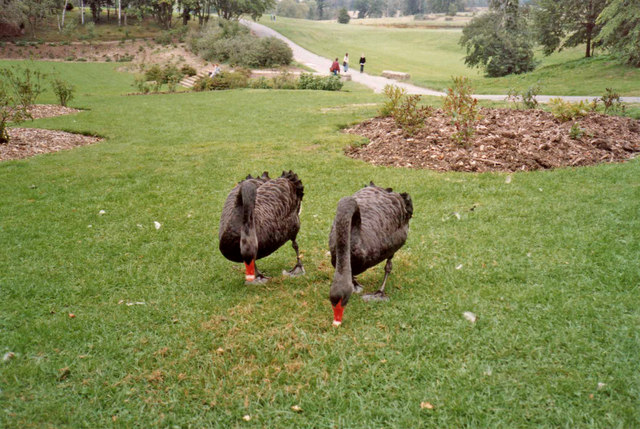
433	56
548	262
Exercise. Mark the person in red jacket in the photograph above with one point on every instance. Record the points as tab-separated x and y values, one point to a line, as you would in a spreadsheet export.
335	67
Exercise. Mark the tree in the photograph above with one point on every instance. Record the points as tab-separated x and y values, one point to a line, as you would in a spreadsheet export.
499	40
234	9
343	16
620	32
567	23
444	6
35	11
162	12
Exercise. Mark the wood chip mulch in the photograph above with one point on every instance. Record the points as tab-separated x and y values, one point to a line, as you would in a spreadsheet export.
27	142
505	140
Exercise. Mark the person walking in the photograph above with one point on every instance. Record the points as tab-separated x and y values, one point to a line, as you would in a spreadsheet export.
345	62
362	61
335	67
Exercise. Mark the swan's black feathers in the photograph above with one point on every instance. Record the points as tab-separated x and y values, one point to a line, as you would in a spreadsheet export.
382	228
275	213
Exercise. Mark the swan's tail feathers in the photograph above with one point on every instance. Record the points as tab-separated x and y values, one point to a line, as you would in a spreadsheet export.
295	180
408	204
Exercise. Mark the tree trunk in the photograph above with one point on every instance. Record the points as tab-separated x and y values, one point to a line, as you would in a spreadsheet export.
119	13
589	36
64	11
82	11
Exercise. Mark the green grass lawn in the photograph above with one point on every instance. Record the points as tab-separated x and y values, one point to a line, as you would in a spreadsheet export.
548	262
433	56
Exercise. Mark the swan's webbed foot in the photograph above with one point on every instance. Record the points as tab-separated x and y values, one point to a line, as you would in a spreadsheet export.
296	271
357	287
376	296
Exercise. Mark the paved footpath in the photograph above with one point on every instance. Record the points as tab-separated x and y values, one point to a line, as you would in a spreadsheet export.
377	83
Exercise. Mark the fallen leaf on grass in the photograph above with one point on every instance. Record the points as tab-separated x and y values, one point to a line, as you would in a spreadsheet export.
220	350
129	304
8	356
296	408
508	179
157	224
601	385
426	405
246	418
101	212
71	315
471	317
64	373
459	266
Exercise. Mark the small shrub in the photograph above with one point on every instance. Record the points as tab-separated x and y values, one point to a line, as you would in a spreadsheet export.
343	16
284	80
27	83
261	83
126	58
140	83
463	109
187	70
612	102
576	132
526	99
324	83
165	38
565	111
63	90
409	116
172	83
14	99
394	96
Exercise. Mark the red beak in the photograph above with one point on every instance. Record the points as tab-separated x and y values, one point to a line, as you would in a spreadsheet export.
338	309
250	271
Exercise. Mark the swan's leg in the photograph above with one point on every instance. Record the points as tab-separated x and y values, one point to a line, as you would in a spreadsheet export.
260	278
357	287
379	295
298	269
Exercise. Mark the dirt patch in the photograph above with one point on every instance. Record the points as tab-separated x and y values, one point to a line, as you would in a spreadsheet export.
505	140
130	53
27	142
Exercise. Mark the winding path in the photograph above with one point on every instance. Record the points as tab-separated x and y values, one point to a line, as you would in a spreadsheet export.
377	83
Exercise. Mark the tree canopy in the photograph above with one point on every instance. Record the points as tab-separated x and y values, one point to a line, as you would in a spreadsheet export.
567	23
499	40
620	32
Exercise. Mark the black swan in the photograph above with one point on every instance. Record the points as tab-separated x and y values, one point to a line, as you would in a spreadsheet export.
260	215
369	227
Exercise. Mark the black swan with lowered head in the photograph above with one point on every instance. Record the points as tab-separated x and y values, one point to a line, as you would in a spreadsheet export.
260	215
369	227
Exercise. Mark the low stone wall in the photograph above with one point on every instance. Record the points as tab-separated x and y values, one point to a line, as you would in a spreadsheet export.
396	75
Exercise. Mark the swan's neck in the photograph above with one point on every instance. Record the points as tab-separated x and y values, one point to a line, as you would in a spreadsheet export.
347	207
248	237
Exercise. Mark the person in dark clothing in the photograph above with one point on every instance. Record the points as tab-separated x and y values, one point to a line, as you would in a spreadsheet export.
362	61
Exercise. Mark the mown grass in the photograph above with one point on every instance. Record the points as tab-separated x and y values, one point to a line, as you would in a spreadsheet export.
548	262
433	56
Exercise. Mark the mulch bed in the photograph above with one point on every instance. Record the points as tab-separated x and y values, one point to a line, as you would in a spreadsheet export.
505	140
27	142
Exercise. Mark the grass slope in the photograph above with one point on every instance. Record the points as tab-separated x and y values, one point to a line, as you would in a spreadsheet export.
548	262
433	56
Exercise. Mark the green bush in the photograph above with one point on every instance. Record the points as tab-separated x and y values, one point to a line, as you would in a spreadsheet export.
463	109
187	70
225	80
565	111
233	44
409	116
394	96
576	132
526	99
63	90
163	75
343	16
284	80
612	102
18	90
323	83
261	83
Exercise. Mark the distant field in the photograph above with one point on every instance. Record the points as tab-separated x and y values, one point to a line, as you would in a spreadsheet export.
433	56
